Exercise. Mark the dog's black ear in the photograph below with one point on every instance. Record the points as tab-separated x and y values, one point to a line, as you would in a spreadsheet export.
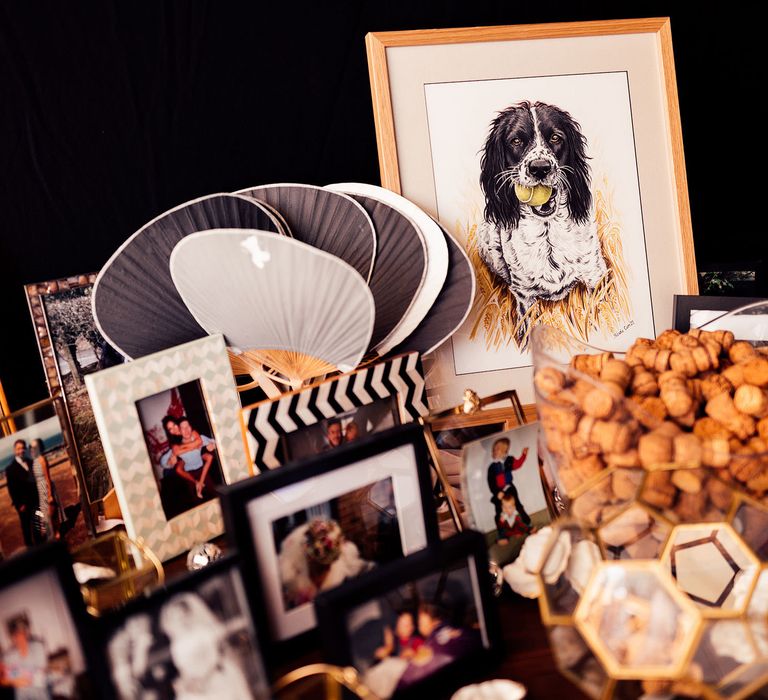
580	194
502	207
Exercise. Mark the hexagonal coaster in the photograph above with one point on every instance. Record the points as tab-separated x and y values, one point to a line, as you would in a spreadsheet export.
566	566
687	495
731	663
636	533
758	603
751	522
713	566
637	622
575	660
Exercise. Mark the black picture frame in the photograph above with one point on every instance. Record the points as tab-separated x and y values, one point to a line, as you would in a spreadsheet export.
684	304
334	606
225	567
54	558
326	473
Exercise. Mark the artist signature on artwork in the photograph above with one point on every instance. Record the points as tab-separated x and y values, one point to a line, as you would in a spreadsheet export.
625	327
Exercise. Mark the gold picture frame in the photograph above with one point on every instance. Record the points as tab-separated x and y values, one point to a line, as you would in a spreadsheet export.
409	70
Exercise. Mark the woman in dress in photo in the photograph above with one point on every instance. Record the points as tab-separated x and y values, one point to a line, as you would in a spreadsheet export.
46	516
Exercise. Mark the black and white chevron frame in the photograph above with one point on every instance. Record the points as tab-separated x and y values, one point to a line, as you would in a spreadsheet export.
266	422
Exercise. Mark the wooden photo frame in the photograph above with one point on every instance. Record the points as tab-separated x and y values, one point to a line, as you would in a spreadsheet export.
393	387
446	102
446	590
71	346
339	514
154	495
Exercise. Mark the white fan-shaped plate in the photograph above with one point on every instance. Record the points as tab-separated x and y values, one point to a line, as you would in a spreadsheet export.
451	307
266	292
330	221
437	256
135	303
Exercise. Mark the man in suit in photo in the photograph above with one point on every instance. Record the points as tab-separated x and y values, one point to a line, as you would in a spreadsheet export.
22	489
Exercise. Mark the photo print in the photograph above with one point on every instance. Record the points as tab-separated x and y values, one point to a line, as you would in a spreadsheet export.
503	489
41	656
40	498
195	640
342	429
327	543
182	447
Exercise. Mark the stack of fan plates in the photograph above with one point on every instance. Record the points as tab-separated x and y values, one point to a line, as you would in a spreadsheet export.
301	280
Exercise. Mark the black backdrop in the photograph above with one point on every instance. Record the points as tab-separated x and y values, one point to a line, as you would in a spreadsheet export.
114	111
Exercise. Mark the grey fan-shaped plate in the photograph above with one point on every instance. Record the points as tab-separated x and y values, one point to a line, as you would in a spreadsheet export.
400	267
326	220
452	306
135	303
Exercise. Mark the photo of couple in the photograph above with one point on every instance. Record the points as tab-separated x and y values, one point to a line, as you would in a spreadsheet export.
182	447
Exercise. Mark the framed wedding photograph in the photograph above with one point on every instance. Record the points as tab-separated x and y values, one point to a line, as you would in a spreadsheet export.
72	347
340	410
504	492
170	430
693	311
528	143
192	639
313	524
44	629
41	492
418	625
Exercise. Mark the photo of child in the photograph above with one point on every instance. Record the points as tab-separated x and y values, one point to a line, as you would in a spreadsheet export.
503	489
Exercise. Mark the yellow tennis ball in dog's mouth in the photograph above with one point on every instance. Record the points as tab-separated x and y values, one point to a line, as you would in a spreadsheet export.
534	196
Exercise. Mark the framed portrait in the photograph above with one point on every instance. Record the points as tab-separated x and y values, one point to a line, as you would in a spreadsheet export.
194	638
530	143
321	417
503	489
41	493
692	311
313	524
170	430
415	626
45	636
72	347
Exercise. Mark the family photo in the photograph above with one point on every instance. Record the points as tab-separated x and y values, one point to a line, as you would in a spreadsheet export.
342	429
407	635
503	489
196	644
40	497
182	447
40	653
320	547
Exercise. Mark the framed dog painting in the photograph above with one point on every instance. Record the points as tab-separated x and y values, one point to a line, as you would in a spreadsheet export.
554	154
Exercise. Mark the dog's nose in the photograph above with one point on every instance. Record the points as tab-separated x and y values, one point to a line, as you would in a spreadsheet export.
539	168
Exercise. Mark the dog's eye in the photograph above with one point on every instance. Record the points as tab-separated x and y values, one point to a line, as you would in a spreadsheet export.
517	142
555	138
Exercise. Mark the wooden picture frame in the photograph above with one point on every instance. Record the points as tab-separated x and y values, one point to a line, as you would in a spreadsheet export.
435	94
65	328
376	492
4	411
117	394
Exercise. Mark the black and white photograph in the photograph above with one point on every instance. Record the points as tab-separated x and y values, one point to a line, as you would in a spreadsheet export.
312	525
40	497
503	489
182	447
342	429
426	614
41	653
194	640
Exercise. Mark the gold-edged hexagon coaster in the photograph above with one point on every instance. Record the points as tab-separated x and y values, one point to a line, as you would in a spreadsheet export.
575	660
713	566
750	520
636	621
687	495
636	533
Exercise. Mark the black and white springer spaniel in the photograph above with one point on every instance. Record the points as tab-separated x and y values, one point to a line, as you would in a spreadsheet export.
543	251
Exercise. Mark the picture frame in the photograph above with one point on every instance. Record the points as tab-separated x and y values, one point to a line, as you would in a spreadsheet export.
200	634
395	384
450	582
68	339
369	502
39	593
130	402
42	496
436	94
4	411
692	311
